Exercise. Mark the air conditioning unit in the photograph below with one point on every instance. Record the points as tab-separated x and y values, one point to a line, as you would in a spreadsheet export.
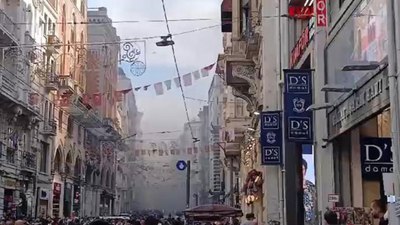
44	194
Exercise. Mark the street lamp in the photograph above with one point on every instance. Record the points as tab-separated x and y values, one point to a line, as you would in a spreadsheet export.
329	88
165	41
362	67
315	107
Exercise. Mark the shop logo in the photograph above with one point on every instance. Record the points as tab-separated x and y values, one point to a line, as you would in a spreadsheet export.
298	105
271	137
298	84
376	156
271	121
272	154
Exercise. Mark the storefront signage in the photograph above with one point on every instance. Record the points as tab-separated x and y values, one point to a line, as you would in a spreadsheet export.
376	157
301	12
271	137
371	98
298	97
302	43
322	18
10	183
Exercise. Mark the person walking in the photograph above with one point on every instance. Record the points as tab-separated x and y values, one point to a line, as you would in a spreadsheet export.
379	211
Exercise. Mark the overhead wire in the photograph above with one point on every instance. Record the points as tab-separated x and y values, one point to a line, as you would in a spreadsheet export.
178	73
121	41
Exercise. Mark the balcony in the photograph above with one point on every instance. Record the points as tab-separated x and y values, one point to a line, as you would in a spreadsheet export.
253	43
28	161
52	82
233	139
53	44
10	30
66	84
50	128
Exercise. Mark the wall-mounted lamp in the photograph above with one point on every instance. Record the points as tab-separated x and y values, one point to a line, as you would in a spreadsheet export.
330	88
315	107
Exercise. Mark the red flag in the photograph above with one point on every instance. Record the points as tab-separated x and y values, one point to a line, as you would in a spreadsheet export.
119	95
64	101
205	71
189	151
97	99
86	99
34	98
195	150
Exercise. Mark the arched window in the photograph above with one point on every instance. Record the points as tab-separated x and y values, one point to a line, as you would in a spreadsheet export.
83	11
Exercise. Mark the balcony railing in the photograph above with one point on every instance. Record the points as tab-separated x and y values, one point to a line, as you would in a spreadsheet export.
28	160
52	82
7	85
8	26
50	128
67	83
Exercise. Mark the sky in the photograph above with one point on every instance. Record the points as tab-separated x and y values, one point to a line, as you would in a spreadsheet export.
194	51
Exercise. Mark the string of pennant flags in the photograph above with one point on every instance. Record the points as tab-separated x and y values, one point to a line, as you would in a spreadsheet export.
96	99
187	80
168	152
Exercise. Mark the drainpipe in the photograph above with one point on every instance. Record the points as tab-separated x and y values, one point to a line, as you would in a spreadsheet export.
394	58
232	196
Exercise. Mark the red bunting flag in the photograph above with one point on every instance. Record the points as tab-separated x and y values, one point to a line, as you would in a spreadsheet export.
86	99
206	70
97	99
189	151
195	150
187	79
158	87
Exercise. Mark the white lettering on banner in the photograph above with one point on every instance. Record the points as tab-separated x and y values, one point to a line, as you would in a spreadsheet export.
377	149
271	121
272	153
322	19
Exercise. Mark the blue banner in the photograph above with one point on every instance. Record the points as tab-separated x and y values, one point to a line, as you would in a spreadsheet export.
376	157
298	97
271	138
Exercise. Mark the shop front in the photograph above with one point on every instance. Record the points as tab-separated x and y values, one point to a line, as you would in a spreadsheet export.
359	128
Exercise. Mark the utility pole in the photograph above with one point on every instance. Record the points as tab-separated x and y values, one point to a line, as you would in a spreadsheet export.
393	70
188	184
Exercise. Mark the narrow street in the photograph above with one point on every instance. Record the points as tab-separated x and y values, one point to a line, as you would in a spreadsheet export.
201	112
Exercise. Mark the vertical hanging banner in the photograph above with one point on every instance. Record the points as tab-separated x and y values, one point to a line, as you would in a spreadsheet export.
298	97
322	18
271	138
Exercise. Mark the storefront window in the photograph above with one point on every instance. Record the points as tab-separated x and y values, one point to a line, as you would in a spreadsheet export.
361	40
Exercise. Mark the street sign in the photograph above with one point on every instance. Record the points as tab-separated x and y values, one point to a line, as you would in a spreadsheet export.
181	165
333	198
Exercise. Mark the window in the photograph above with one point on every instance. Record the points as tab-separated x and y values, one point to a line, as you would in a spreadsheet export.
45	25
239	107
83	10
80	138
44	157
70	126
63	20
60	119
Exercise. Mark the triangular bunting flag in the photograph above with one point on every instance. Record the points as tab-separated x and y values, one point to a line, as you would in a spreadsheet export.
177	82
168	84
64	100
189	151
158	87
97	99
187	79
195	150
206	70
146	87
86	99
196	75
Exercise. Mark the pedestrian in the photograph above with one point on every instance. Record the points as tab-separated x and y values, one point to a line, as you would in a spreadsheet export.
379	211
250	219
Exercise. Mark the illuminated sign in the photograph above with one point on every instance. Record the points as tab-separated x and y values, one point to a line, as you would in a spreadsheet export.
301	12
302	43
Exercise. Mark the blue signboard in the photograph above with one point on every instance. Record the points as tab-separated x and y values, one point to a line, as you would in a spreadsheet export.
181	165
298	97
271	138
376	157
